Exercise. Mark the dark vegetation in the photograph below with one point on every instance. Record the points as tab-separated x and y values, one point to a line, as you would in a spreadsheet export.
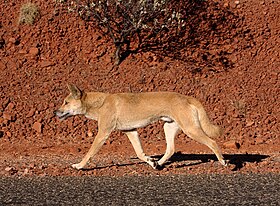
197	31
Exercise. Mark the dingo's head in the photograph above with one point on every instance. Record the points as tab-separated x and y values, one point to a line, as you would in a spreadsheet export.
72	104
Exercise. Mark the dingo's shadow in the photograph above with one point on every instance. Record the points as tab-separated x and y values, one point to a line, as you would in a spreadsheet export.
113	165
235	159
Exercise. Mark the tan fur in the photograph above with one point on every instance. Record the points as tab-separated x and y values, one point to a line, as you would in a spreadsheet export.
129	111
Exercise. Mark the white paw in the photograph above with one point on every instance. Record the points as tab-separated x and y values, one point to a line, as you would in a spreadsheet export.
224	163
77	166
154	164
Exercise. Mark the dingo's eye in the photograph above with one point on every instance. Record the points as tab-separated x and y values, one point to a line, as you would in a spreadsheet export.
65	103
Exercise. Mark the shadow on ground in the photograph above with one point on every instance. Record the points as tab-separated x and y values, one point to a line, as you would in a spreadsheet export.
238	160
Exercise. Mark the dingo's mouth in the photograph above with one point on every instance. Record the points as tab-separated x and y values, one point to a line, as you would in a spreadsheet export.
61	115
64	116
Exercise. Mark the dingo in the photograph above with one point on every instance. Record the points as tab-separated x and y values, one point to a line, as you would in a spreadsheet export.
129	111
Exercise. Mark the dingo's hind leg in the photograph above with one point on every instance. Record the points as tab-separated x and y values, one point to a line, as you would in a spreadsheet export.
170	130
197	134
135	141
192	128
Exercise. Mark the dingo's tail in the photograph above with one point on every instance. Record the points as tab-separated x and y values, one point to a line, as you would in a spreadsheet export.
210	129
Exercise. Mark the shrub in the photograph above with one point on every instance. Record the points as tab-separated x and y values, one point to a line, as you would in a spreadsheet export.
28	13
130	21
195	31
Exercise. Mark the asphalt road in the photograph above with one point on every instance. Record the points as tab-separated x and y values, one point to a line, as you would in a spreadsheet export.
165	190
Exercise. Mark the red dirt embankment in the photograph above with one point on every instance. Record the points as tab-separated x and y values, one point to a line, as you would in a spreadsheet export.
234	71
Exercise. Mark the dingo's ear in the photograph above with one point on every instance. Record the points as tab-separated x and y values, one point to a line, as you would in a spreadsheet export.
75	91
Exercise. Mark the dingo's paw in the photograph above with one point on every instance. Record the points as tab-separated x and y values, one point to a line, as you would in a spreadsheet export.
153	162
77	166
224	162
155	165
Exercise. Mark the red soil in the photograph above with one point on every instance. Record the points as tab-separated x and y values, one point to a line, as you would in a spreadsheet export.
234	72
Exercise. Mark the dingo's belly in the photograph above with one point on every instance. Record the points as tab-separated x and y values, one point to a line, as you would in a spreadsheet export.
134	124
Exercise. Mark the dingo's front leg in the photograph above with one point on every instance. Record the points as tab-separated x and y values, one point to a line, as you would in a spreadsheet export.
95	147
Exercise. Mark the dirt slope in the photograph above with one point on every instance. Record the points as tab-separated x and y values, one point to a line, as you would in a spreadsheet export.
233	70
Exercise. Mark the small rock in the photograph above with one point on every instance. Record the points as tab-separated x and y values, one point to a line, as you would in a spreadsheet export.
51	105
10	169
9	134
108	142
34	51
32	165
25	171
22	51
37	126
259	141
31	113
10	106
249	123
9	116
42	167
89	133
12	40
46	63
233	58
231	145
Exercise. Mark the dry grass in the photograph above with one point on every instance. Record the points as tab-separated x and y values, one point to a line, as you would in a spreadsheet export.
240	106
29	12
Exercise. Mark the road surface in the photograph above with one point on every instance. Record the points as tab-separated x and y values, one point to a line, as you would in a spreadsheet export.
250	189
